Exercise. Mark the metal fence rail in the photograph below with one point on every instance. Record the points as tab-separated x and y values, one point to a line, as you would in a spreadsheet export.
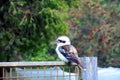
38	71
48	70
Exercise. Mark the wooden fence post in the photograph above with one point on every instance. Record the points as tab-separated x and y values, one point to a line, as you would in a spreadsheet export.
91	68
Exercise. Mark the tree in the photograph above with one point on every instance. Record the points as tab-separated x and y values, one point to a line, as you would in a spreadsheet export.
94	25
28	27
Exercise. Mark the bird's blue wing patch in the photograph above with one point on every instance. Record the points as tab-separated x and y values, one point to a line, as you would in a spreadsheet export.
63	51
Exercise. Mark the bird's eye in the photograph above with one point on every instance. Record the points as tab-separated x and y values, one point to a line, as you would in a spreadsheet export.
61	41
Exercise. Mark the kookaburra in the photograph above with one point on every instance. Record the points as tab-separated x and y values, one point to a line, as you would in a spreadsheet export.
67	52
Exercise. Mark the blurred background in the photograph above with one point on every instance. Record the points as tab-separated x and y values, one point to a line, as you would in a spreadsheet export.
28	28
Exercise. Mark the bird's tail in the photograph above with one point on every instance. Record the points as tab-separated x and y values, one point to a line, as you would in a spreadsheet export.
80	65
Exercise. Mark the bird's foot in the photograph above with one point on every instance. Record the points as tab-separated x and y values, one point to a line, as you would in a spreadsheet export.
68	63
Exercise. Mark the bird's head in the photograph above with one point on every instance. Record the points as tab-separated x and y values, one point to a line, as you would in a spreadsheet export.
62	40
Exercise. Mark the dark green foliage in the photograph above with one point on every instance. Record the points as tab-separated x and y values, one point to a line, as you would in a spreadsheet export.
29	27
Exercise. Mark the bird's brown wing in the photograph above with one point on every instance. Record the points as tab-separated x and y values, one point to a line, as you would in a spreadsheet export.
71	50
72	55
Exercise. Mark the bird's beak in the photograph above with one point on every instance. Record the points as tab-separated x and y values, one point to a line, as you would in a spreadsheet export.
55	41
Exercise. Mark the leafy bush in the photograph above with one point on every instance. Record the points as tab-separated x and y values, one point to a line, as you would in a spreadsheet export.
28	28
94	30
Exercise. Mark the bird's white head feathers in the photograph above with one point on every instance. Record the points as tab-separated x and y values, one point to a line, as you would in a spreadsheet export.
62	40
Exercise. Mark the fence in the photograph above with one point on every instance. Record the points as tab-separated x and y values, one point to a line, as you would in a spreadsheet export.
48	70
